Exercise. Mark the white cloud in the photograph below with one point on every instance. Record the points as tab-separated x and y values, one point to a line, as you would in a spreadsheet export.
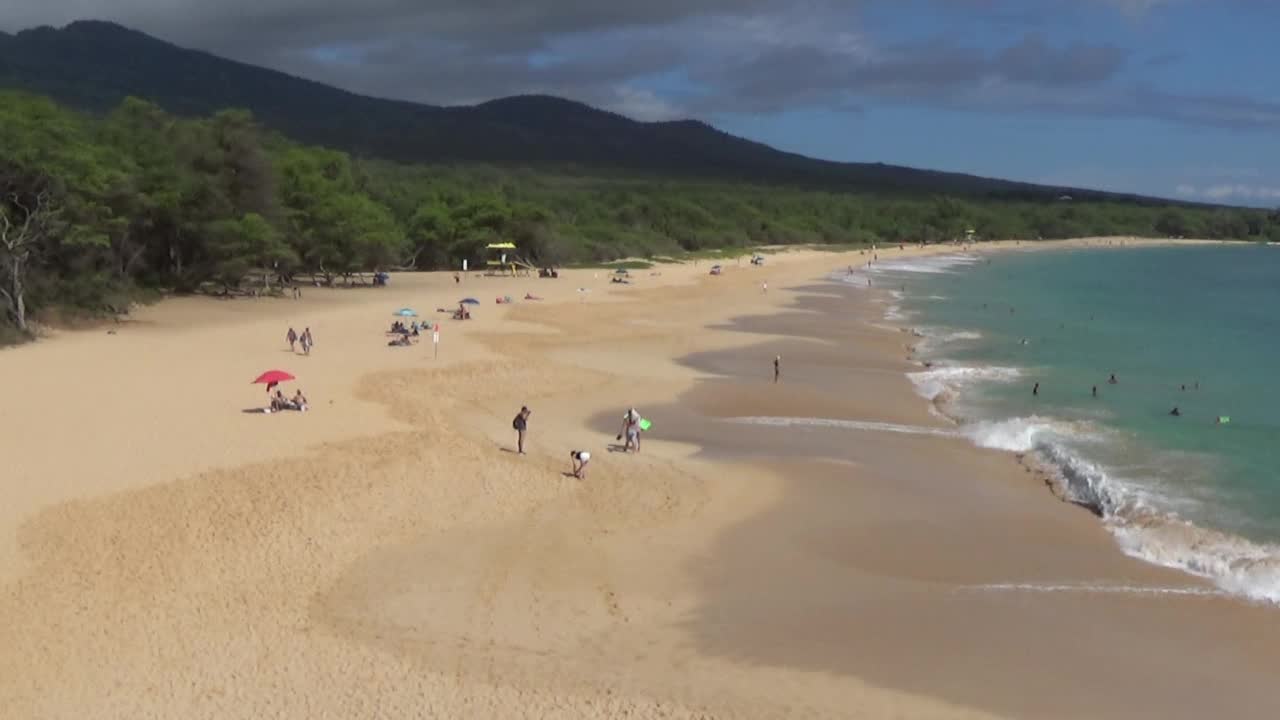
1186	190
641	104
1242	192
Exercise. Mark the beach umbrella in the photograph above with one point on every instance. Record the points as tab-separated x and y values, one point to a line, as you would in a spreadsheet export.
620	271
468	301
406	312
272	377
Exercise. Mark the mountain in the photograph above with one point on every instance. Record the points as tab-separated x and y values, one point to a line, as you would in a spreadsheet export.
93	65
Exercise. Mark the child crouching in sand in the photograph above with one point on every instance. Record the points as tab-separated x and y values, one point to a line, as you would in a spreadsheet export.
580	459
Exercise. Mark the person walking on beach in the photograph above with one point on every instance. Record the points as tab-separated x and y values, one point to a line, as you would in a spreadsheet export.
521	424
580	459
630	430
777	368
307	341
292	337
764	286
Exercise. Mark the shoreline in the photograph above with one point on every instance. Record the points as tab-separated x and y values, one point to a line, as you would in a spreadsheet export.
1048	445
390	532
1080	583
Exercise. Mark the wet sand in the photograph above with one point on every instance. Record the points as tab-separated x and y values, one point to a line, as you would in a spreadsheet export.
387	555
924	564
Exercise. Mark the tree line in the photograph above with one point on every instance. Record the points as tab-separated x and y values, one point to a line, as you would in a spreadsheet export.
94	209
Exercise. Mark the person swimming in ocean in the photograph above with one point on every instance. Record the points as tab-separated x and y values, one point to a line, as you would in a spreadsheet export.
1095	391
1175	411
1112	380
1036	390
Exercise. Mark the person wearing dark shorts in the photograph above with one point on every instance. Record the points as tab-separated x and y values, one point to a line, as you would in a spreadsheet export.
520	424
580	459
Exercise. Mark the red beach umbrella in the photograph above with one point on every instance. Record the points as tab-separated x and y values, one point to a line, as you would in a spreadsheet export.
271	377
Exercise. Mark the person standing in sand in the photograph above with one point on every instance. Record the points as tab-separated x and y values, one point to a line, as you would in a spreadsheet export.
307	341
292	337
630	430
521	424
777	368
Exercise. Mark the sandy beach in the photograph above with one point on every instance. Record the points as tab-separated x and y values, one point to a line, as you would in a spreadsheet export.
164	554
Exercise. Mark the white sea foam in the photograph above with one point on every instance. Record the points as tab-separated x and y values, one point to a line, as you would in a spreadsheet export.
1140	518
1132	512
864	275
933	338
1024	434
1236	565
942	382
895	313
1091	589
1144	520
865	425
929	264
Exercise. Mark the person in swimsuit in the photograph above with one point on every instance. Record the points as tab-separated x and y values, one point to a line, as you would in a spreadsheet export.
520	424
630	430
777	367
292	337
580	459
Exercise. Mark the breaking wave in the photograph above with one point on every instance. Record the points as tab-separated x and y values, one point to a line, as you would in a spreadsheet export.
1137	515
943	383
1235	565
1144	520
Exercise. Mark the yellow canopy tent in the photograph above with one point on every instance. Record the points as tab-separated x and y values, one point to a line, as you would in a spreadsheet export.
502	258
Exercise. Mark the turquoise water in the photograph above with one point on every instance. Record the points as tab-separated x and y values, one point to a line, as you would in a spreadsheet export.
1183	491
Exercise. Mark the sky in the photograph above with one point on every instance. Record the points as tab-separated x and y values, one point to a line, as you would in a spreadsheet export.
1175	98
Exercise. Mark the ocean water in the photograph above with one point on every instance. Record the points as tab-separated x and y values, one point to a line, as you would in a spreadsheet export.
1196	327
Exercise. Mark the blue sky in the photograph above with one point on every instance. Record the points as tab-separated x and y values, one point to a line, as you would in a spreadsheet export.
1203	53
1175	98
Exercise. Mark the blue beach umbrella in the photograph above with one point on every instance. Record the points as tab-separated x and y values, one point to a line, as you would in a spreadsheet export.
406	312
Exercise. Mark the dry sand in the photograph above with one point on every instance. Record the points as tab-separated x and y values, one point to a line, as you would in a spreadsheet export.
163	554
